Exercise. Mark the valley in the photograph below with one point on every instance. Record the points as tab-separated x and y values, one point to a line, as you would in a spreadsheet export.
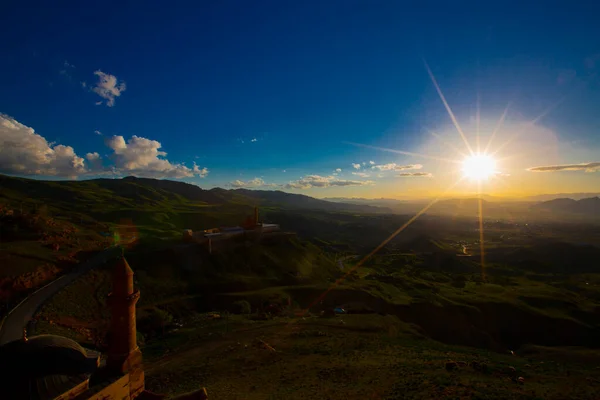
416	319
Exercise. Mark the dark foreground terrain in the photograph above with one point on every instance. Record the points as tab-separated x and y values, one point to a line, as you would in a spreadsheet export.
425	317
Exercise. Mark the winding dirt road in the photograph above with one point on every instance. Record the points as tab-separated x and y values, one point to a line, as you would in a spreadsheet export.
18	318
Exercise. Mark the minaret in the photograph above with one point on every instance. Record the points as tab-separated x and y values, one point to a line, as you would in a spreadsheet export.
124	355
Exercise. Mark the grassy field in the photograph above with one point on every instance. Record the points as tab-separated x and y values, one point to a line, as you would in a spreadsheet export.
355	356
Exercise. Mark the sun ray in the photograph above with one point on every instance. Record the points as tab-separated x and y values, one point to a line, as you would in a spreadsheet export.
407	153
508	141
506	184
481	237
379	247
450	113
548	110
528	153
445	142
497	128
477	123
529	123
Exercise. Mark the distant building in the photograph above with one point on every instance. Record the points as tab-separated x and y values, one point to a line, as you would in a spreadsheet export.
250	227
268	227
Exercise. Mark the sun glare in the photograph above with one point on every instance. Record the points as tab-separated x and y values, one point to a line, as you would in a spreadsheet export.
479	167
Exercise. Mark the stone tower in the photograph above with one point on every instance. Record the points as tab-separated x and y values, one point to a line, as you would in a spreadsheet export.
124	355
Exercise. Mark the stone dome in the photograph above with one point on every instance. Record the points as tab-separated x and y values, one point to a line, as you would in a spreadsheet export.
43	367
45	355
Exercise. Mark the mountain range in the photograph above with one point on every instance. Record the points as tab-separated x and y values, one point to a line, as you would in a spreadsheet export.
132	191
536	198
132	194
589	206
574	196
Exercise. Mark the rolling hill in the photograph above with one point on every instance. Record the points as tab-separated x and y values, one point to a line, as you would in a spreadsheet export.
548	197
132	192
279	198
589	206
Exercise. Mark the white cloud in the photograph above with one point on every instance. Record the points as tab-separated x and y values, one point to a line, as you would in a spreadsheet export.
415	174
587	167
92	156
201	172
311	181
98	132
238	184
24	152
372	162
356	166
254	140
142	157
338	170
108	88
396	167
409	166
83	84
253	183
95	161
361	174
384	167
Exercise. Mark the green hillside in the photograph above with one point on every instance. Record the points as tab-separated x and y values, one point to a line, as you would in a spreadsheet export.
156	207
417	304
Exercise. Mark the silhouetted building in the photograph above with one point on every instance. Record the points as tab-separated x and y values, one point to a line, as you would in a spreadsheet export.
50	367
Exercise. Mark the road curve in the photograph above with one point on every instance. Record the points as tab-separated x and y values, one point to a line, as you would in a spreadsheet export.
18	318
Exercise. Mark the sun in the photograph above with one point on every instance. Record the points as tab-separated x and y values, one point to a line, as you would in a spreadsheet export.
479	167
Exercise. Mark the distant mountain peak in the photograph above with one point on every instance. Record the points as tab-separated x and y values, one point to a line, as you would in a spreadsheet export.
588	206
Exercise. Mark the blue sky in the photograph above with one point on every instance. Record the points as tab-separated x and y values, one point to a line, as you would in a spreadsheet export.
270	94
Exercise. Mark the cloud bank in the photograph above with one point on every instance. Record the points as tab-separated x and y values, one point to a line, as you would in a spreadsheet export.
587	167
142	157
253	183
25	152
311	181
415	174
396	167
